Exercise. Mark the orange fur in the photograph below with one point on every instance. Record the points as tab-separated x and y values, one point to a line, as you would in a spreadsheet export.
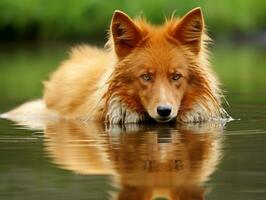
108	84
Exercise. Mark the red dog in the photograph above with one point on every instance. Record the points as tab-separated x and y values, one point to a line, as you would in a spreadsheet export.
159	72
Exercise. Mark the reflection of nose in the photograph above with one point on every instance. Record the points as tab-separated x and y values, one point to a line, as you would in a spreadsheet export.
164	110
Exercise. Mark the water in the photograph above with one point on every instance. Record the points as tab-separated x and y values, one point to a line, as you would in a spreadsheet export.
59	159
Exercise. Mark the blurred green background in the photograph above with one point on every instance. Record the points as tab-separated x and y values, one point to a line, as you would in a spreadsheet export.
90	18
36	35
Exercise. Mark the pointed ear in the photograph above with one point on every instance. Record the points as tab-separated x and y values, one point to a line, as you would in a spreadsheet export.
189	30
126	34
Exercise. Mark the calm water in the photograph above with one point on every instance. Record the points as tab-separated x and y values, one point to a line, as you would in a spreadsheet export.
57	159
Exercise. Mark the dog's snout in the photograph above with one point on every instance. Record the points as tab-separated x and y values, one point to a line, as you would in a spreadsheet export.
164	110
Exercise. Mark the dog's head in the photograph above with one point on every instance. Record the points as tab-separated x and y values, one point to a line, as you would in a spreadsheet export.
160	69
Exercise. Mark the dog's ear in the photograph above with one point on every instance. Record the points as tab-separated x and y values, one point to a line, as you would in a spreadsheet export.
126	35
189	30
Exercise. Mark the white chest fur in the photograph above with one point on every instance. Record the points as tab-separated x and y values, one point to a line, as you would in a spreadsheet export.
120	113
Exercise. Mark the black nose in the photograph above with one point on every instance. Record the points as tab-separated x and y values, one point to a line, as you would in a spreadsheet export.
164	110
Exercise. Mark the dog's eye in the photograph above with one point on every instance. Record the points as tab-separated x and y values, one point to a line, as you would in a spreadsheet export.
176	76
146	77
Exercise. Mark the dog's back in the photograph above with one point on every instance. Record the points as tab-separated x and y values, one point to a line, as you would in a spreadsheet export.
77	85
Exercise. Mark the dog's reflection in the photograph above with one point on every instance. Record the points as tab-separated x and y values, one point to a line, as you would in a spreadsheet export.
170	161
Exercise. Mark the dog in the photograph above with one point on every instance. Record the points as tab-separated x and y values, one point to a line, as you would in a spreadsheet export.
145	72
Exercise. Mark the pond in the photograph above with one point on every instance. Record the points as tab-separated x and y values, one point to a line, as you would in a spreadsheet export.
59	159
